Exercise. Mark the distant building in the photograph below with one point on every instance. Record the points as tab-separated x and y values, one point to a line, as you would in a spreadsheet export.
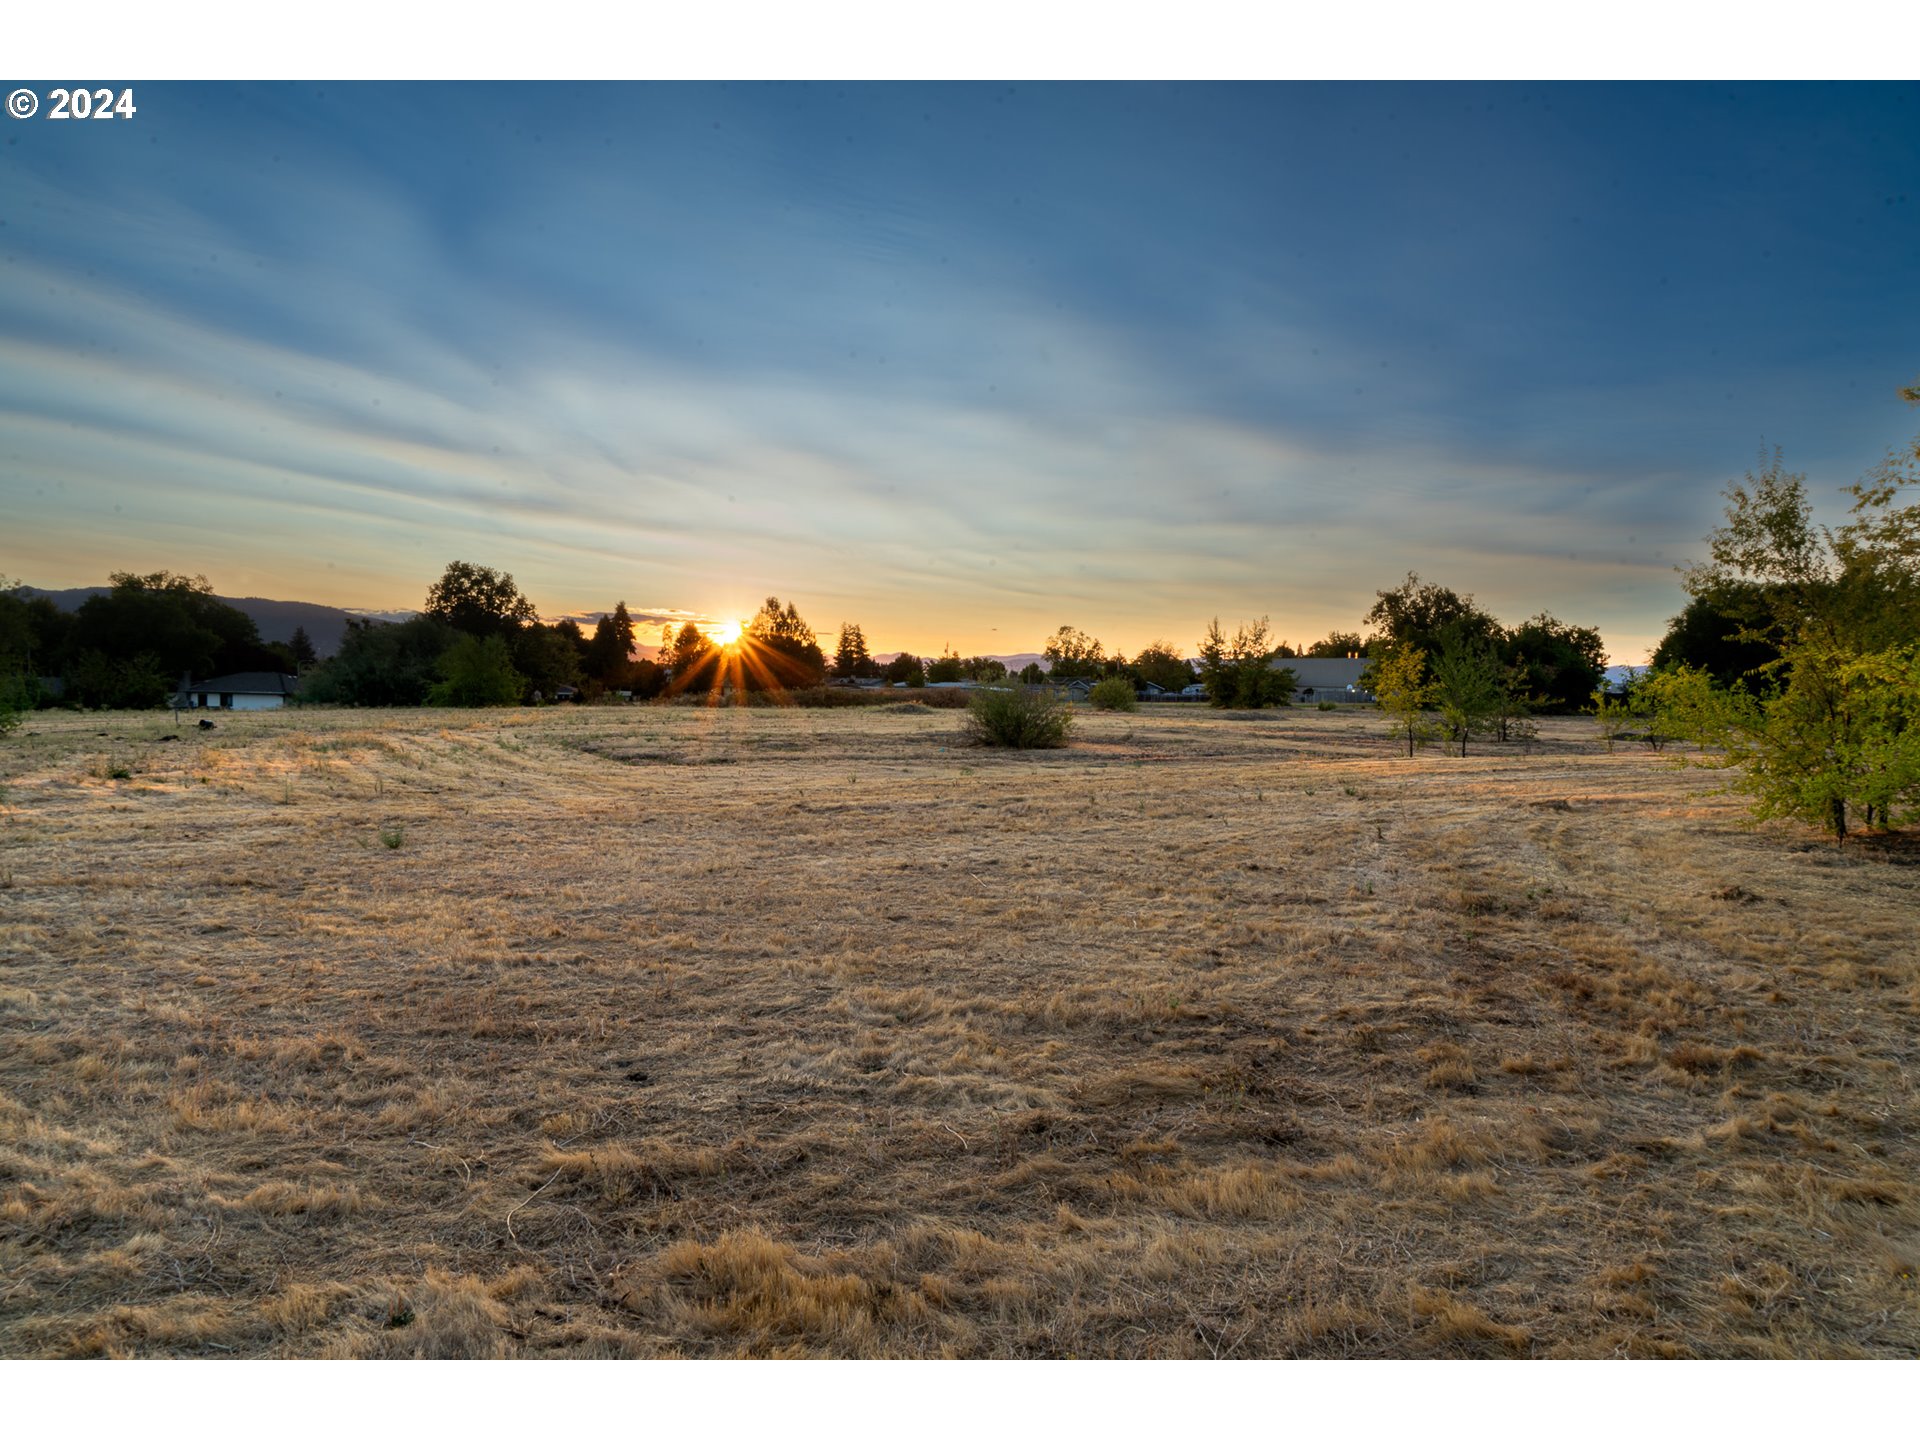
1336	679
252	690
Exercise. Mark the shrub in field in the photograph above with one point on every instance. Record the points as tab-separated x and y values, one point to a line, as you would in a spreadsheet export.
1017	717
1114	693
16	698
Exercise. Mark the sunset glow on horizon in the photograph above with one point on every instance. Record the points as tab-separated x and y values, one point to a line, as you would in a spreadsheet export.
958	363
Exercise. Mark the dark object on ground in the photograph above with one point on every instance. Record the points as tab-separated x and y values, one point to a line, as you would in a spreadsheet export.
206	724
167	739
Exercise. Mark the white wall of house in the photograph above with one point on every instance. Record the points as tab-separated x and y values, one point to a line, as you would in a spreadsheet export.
240	702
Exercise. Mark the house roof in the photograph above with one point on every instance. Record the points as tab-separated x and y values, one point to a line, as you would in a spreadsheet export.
1315	673
249	682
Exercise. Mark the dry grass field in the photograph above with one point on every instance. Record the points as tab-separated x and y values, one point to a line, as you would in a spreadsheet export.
657	1031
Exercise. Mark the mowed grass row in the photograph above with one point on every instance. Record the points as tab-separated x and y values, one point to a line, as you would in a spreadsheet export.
672	1032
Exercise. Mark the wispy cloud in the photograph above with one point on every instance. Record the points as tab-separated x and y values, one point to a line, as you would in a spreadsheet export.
1103	359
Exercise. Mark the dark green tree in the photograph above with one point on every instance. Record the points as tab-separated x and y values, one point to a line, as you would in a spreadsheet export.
609	654
546	659
905	667
946	670
1239	673
302	651
170	623
1560	665
692	661
34	633
381	664
1074	655
1706	636
778	650
1418	615
850	658
477	600
478	671
1160	664
1339	645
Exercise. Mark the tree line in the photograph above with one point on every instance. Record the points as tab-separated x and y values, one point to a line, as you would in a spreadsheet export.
128	649
479	641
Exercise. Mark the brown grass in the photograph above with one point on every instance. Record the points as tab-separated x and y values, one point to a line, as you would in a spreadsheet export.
668	1031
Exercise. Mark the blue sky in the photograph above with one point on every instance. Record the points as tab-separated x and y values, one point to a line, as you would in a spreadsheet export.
960	362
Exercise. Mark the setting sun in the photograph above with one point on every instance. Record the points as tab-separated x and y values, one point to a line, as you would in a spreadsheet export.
725	633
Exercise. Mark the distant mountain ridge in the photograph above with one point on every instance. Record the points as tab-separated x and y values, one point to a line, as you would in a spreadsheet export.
276	620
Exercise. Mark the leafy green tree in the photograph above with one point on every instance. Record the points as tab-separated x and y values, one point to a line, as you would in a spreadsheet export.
1160	664
1114	693
1402	689
1830	731
1706	635
1032	674
1840	739
1560	665
905	667
380	664
1339	645
648	679
984	669
1239	672
1469	685
545	658
101	682
478	600
478	671
946	670
1514	707
1419	615
575	636
1073	655
172	623
34	633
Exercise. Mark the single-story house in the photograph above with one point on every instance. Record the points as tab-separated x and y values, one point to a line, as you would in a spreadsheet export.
1334	678
251	690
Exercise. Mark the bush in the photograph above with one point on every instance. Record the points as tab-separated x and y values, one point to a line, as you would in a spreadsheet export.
1018	717
1114	693
17	696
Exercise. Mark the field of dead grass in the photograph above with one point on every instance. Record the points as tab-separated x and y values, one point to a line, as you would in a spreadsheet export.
660	1031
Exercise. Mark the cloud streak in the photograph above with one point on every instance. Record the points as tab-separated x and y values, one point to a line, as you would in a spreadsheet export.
950	364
